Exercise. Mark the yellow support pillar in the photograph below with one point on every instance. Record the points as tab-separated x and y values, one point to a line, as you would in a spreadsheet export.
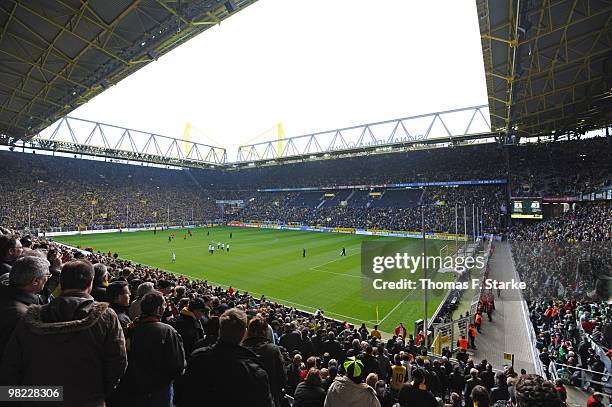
280	136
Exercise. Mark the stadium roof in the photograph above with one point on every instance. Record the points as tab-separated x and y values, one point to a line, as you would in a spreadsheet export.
57	54
547	64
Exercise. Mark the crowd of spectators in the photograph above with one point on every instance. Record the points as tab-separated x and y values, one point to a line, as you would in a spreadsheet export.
565	262
111	331
438	205
48	192
574	335
565	168
568	256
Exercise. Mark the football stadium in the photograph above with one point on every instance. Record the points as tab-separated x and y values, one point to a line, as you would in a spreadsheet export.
400	238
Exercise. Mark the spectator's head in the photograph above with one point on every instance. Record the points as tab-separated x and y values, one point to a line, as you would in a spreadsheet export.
10	248
30	274
152	304
418	376
500	379
297	359
371	380
101	275
480	395
179	291
118	293
197	307
381	388
144	288
474	372
77	275
257	327
353	369
165	286
313	377
232	326
534	391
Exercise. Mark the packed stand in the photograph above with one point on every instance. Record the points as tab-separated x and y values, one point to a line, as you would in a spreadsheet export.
568	256
56	192
574	335
439	207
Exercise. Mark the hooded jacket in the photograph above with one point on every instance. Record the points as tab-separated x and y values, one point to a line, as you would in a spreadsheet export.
345	393
72	342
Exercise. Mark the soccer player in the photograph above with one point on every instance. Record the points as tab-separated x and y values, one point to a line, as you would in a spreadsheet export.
227	246
343	253
230	235
184	236
211	248
218	245
173	257
222	246
169	238
303	252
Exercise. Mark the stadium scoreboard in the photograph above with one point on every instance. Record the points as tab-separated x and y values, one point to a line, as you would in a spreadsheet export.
526	208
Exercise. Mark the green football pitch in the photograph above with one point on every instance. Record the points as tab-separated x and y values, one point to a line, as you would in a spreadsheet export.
270	263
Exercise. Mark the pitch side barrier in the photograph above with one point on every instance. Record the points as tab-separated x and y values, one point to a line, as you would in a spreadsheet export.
354	231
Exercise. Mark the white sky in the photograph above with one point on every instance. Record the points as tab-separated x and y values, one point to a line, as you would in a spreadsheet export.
311	64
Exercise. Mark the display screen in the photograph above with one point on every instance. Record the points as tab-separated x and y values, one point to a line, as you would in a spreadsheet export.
526	208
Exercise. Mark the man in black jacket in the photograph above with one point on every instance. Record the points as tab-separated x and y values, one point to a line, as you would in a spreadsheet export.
155	357
10	250
269	354
118	294
226	374
333	347
189	324
488	377
27	278
291	339
370	364
470	383
98	291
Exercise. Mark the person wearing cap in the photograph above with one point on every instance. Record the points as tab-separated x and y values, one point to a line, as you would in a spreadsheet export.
165	287
189	323
349	390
